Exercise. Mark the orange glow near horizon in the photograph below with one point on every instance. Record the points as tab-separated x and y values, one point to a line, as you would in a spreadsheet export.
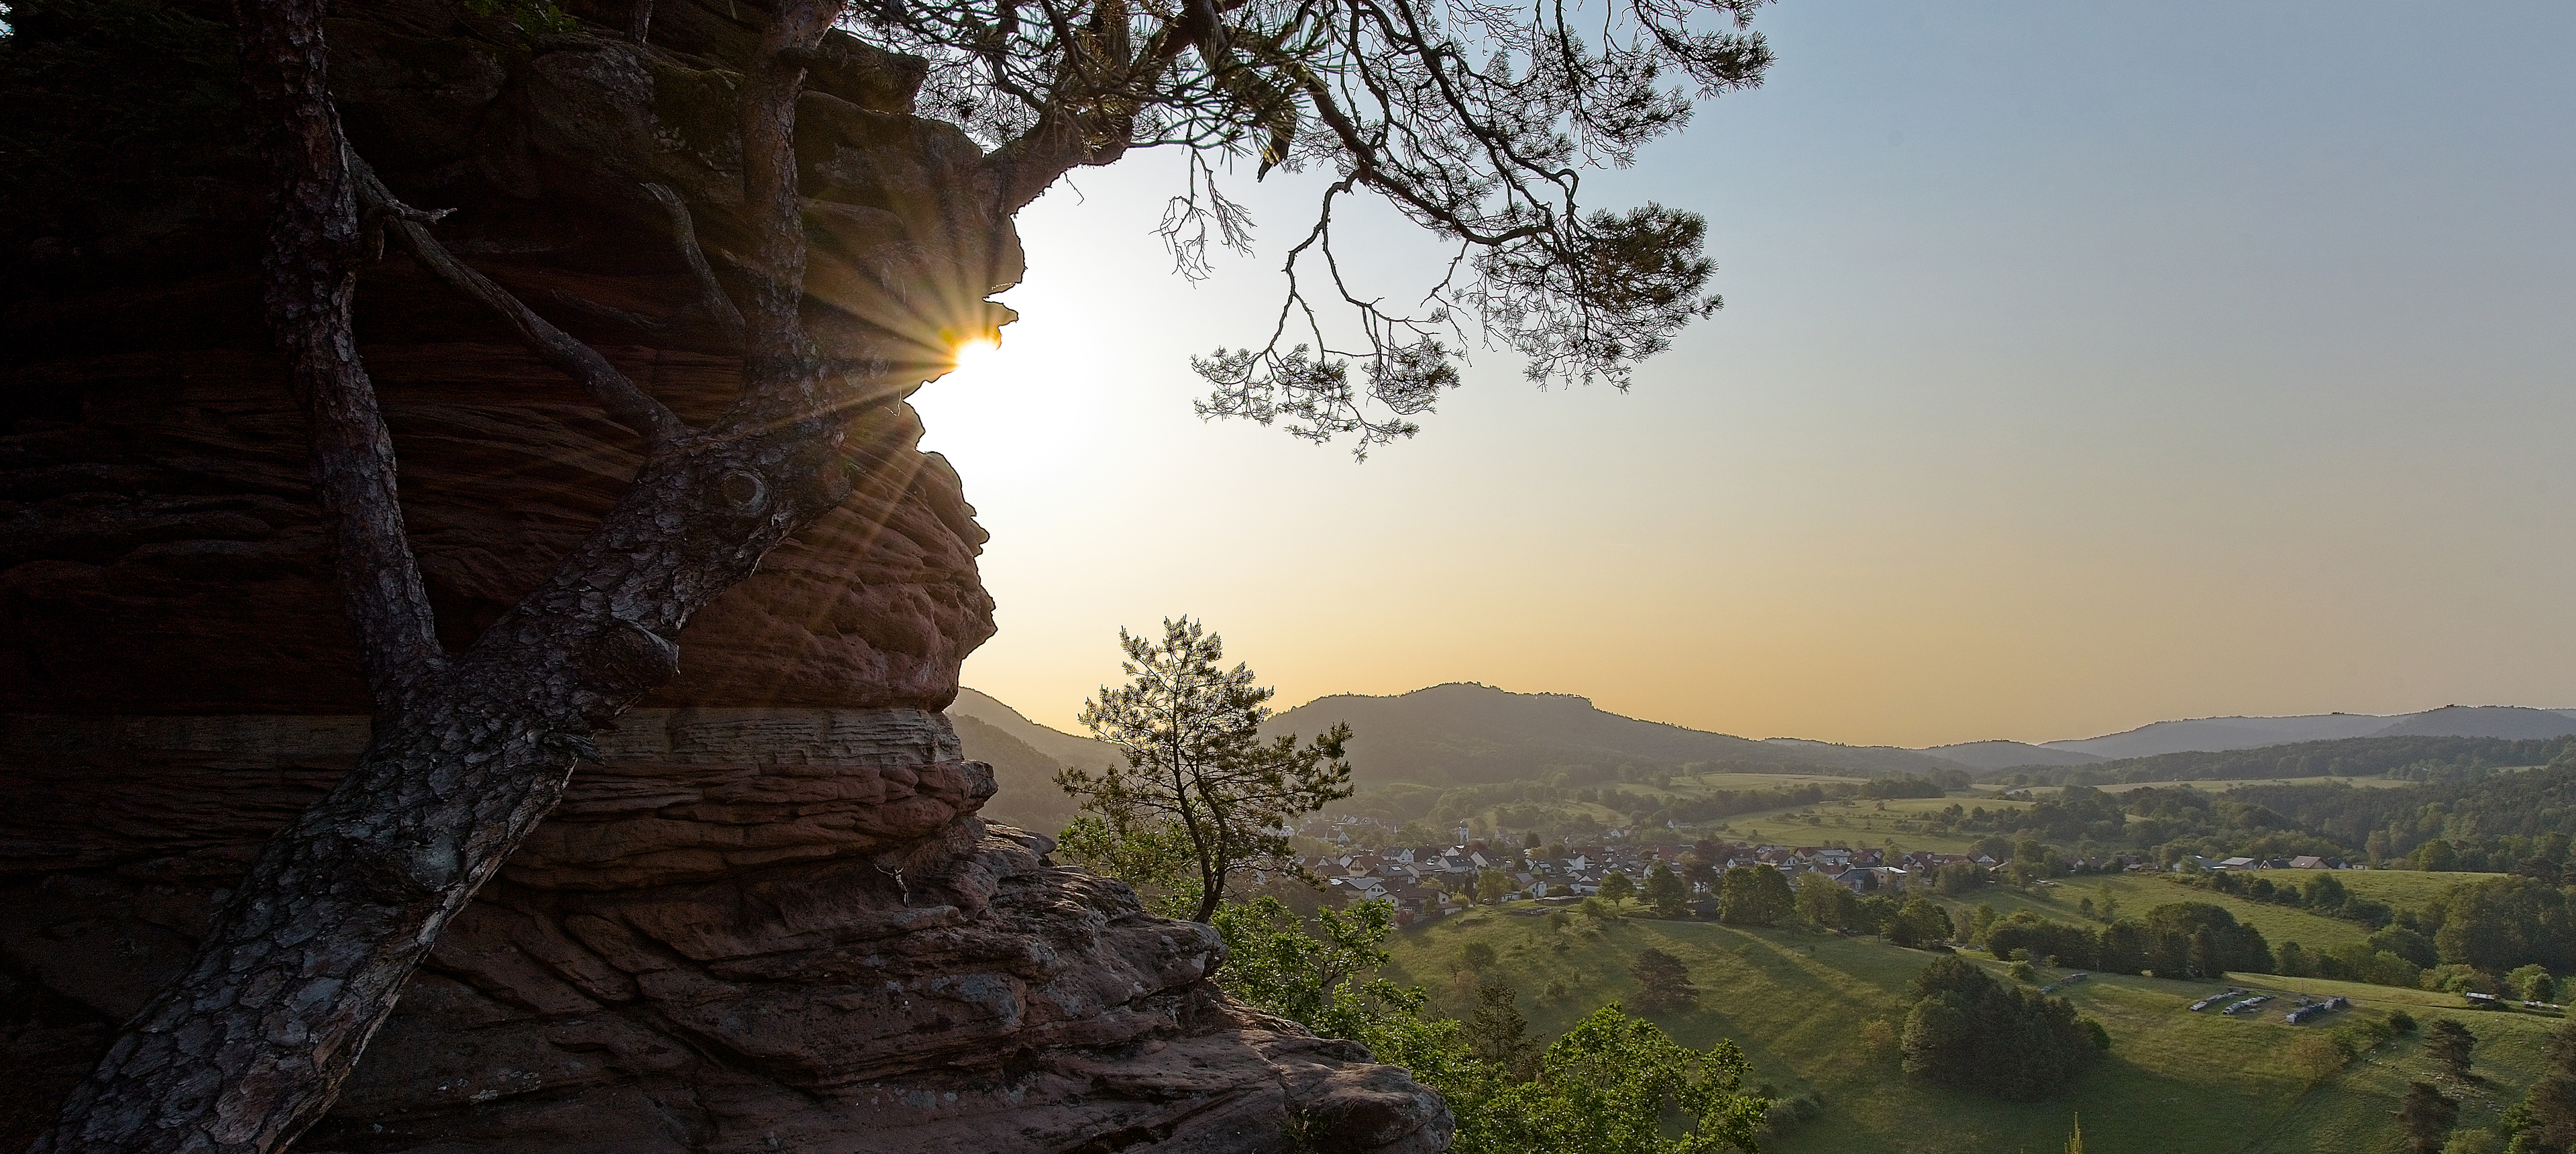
2049	400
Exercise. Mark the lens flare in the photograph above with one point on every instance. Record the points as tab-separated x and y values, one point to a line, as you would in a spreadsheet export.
967	354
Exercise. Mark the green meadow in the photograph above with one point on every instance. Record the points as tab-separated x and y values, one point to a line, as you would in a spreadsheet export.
1797	1003
1901	823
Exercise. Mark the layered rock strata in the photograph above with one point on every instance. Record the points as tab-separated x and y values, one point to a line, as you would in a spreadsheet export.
770	919
749	929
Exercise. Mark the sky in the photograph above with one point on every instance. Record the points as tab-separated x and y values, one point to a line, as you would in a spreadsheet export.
2082	366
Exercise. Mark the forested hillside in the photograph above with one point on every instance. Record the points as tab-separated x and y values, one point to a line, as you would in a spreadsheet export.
2419	756
2484	819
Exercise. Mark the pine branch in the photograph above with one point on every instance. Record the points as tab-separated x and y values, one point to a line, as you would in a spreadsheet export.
684	233
624	402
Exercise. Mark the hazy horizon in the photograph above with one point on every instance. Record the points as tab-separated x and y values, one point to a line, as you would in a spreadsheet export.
1067	724
2081	369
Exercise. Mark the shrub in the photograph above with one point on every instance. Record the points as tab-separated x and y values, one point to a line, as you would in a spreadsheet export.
2456	978
2318	1056
2532	983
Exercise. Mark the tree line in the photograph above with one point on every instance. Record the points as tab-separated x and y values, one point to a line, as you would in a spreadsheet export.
2413	756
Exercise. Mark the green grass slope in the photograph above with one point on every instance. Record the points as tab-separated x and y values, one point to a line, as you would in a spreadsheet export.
2137	893
1797	1002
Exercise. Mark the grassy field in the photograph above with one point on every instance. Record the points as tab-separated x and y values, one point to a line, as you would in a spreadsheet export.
1681	788
2375	781
2063	900
1900	823
2400	887
1797	1002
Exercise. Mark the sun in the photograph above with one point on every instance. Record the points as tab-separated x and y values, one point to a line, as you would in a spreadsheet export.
973	351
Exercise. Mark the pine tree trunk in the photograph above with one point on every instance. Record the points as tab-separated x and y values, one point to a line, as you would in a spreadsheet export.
250	1044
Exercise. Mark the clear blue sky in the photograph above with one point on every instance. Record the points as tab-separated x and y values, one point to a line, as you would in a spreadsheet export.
2082	366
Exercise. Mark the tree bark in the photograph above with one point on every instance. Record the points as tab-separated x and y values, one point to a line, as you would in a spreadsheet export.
250	1044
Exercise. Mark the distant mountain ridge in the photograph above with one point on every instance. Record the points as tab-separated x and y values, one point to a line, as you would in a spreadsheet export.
1025	757
2223	734
1999	754
1463	733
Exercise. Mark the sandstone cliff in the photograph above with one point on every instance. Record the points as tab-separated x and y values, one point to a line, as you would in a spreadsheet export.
771	919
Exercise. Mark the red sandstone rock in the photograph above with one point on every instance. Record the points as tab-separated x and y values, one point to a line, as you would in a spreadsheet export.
771	920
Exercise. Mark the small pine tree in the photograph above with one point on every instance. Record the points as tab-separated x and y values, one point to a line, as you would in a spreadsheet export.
2075	1141
1498	1034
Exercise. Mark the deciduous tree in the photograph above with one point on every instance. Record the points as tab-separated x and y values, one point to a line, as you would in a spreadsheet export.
2532	983
1607	1087
1824	902
1754	896
1967	1029
1666	892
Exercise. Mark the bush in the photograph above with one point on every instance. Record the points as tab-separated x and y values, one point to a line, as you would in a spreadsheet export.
2318	1056
2401	1021
2455	978
2532	983
2480	1141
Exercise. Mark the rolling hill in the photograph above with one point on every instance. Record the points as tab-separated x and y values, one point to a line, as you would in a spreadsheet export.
1989	755
2223	734
1025	757
2506	721
2220	734
1463	733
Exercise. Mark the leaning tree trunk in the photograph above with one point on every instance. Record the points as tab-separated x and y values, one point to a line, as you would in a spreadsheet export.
250	1044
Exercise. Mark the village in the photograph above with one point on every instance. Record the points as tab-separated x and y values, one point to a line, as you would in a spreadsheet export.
1425	882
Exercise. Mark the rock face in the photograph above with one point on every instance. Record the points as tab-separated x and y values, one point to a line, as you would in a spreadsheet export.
749	929
770	919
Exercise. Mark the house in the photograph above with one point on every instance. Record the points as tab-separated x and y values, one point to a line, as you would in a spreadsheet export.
1357	889
2308	862
2237	863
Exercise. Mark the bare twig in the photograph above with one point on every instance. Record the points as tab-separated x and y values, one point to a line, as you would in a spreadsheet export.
684	233
624	402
